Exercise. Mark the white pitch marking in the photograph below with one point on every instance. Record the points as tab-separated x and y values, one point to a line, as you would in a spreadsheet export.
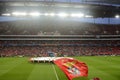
55	72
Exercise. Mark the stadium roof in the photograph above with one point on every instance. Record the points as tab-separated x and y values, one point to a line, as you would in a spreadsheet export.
95	8
102	1
113	5
105	2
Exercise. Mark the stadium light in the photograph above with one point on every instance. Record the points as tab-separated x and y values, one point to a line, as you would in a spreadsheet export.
46	14
88	16
117	16
6	14
77	15
34	14
62	14
19	13
52	14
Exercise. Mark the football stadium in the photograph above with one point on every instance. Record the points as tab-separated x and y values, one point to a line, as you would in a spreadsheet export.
59	39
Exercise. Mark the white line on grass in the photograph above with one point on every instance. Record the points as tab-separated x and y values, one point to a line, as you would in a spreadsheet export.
55	72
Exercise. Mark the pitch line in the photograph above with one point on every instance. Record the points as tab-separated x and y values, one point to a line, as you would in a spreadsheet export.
55	72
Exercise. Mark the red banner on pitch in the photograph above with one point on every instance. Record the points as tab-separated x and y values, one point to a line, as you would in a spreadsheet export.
72	67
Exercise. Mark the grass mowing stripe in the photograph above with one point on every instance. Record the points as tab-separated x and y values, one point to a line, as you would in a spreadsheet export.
9	64
107	68
42	71
99	65
20	72
55	72
110	67
103	75
60	73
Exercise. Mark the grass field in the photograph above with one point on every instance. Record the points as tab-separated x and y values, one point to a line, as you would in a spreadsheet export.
106	68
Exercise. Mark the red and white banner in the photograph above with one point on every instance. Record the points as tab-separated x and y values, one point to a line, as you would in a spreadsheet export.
72	67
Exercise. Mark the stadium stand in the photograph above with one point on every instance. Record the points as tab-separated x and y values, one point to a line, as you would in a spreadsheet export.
59	26
15	28
62	48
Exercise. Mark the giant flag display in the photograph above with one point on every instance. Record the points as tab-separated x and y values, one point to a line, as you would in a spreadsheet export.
72	67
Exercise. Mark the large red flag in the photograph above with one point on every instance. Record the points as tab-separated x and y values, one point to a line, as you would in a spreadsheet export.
72	67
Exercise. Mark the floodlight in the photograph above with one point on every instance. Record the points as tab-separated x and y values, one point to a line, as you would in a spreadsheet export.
19	13
62	14
88	16
6	14
15	13
34	14
52	14
117	16
77	15
46	14
23	14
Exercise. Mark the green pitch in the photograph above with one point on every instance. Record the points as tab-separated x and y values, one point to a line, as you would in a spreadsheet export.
106	68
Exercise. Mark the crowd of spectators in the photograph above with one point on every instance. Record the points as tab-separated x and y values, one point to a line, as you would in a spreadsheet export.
62	48
7	42
61	28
